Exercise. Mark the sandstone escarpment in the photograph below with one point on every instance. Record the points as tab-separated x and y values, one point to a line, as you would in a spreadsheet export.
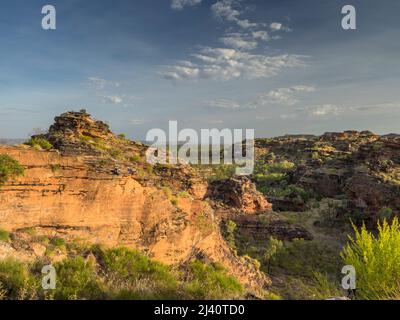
97	187
61	196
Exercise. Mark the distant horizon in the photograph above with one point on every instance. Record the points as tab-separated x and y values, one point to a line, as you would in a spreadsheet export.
22	139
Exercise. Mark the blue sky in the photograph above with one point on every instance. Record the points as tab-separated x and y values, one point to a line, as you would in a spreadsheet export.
278	66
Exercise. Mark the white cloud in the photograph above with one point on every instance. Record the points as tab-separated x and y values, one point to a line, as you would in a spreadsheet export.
180	4
261	35
281	96
227	64
227	10
100	83
181	72
113	99
223	104
277	26
324	111
238	41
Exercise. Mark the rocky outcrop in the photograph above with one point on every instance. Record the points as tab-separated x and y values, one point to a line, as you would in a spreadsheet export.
239	193
290	203
361	167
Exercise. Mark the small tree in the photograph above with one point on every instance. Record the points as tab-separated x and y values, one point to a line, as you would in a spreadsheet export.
230	233
376	260
274	245
9	168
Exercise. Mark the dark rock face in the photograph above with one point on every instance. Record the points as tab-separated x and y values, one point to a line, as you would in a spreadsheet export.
239	193
259	229
290	203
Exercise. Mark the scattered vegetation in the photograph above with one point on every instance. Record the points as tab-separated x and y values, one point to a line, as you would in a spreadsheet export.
118	273
9	168
211	282
39	143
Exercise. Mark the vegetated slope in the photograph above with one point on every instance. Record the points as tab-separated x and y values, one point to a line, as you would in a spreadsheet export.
322	183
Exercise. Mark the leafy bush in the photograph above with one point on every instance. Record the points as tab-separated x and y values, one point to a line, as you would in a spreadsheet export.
130	269
13	278
40	143
271	177
222	172
376	260
276	167
9	168
4	236
58	242
230	228
211	282
304	258
76	279
135	158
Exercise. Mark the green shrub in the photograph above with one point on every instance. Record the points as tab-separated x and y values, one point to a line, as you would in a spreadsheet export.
40	143
304	258
58	242
86	139
222	172
376	260
184	194
131	264
4	235
55	167
300	191
211	282
9	168
13	278
271	177
230	228
129	270
273	246
135	158
76	279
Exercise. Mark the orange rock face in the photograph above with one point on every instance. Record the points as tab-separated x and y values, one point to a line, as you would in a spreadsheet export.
63	196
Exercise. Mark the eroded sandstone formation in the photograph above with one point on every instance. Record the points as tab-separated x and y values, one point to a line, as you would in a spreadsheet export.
239	193
84	189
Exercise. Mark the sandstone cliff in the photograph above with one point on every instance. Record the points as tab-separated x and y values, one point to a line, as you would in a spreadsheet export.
86	190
